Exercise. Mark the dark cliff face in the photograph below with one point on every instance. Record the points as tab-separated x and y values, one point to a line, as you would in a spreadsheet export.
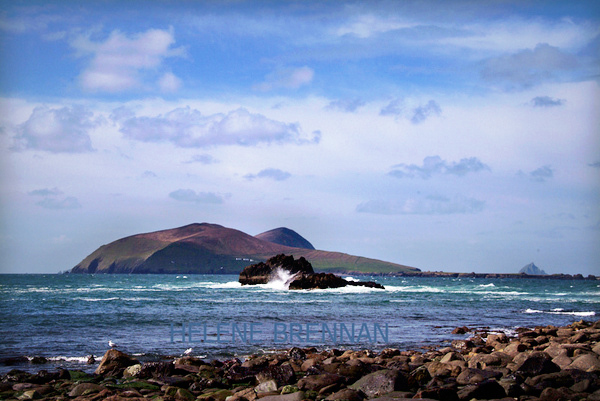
285	236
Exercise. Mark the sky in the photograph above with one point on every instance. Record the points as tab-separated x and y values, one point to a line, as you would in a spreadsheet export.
451	136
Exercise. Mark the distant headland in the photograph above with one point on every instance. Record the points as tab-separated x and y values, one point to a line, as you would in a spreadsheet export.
213	249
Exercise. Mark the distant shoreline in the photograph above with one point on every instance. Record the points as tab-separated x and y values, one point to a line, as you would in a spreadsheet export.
559	276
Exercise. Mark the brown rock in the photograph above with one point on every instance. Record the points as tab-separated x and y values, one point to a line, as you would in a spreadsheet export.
317	382
537	363
473	376
346	394
114	363
486	390
586	362
283	374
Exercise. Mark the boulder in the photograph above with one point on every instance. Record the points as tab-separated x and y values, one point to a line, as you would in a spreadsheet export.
586	362
346	394
381	382
114	363
486	390
282	374
536	364
317	382
85	388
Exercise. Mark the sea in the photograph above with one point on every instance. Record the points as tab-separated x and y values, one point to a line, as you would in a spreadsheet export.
66	318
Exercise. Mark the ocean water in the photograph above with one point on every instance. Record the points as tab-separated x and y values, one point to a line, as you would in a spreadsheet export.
66	318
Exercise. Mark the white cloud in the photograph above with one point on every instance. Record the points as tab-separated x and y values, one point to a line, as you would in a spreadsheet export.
121	63
271	173
365	26
189	195
286	78
62	130
434	165
186	127
430	205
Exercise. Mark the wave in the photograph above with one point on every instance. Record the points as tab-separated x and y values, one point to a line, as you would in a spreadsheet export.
560	311
351	279
486	285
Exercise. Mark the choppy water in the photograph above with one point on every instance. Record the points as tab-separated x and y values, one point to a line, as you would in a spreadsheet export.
67	317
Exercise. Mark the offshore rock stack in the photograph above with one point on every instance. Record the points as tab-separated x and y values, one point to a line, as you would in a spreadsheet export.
299	275
544	363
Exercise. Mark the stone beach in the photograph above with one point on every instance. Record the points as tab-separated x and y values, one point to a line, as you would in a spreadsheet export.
541	363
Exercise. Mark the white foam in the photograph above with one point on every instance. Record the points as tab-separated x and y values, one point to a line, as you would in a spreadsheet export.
487	285
280	280
351	279
561	312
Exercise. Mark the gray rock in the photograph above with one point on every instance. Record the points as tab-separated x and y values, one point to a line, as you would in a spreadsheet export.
381	382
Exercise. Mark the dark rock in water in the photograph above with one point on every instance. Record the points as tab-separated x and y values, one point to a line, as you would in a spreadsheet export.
114	363
317	280
263	272
298	272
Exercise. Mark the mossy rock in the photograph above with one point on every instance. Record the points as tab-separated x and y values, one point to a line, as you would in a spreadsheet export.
310	394
289	389
81	376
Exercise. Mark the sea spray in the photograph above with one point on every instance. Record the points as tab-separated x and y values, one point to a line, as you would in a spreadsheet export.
281	279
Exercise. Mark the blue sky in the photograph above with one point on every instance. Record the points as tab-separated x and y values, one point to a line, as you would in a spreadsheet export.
455	135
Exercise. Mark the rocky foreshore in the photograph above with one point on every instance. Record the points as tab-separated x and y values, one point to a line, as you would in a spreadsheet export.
543	363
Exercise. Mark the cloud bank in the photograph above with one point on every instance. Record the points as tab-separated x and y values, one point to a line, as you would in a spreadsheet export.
62	130
189	195
188	128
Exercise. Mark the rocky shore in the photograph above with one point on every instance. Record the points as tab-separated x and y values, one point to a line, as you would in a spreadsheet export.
541	363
